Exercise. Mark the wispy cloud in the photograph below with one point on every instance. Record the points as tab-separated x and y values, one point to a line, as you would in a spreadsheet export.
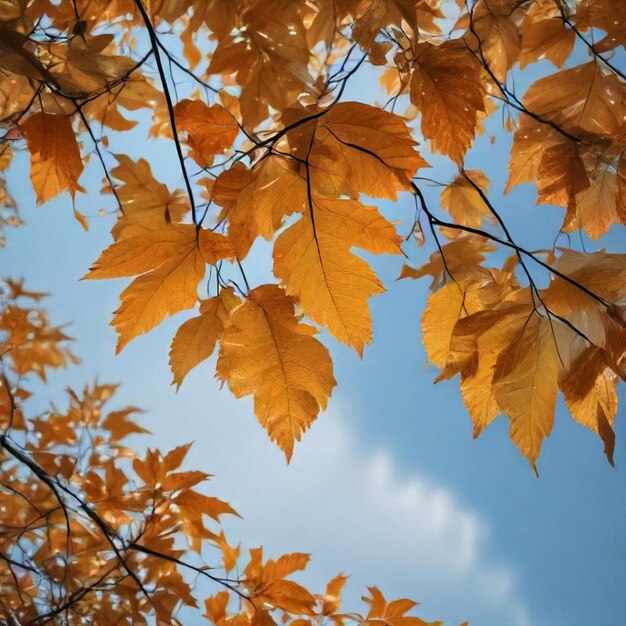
356	512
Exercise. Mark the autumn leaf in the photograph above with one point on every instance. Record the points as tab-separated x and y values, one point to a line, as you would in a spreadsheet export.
331	600
461	199
391	613
598	206
525	384
171	261
266	582
330	283
272	149
372	150
55	161
561	175
446	88
591	396
583	97
146	203
460	257
543	33
210	130
494	25
256	200
267	353
196	339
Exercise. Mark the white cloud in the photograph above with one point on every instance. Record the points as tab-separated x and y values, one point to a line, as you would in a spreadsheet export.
357	513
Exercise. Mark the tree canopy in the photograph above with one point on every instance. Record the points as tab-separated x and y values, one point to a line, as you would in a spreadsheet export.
251	97
90	530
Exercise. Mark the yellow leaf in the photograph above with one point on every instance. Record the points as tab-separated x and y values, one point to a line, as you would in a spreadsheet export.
529	143
331	284
210	130
462	258
267	353
602	273
544	34
462	200
447	89
152	297
476	344
598	206
195	340
172	260
561	175
495	25
525	385
147	203
55	163
144	252
256	200
81	67
368	149
583	97
590	390
443	310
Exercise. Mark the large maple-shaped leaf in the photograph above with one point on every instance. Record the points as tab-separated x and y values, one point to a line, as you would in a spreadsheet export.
55	163
267	353
171	261
330	283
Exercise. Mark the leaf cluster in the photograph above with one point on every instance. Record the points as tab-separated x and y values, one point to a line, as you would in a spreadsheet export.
250	94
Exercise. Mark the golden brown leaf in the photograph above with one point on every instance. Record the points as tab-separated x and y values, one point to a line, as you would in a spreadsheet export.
267	353
590	392
329	282
55	162
171	260
210	130
256	200
391	613
447	90
147	203
195	340
525	384
463	202
266	582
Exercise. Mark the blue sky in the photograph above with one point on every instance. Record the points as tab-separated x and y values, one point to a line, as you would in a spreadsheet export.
388	486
